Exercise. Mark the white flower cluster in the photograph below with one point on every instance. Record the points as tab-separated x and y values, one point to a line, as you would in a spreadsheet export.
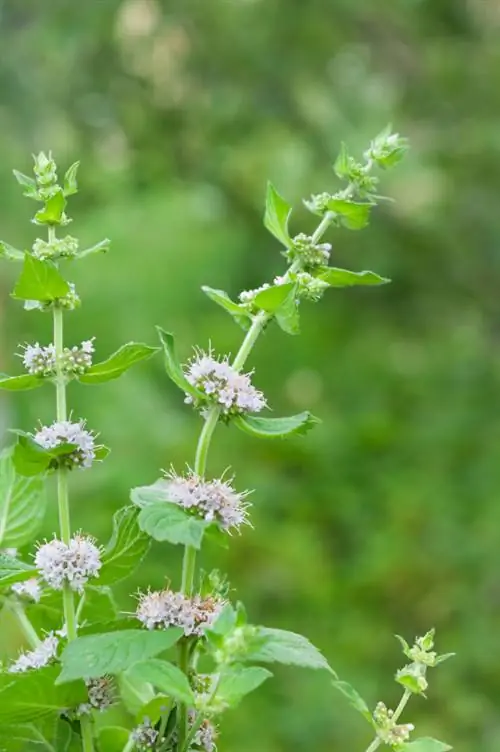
74	564
308	253
102	695
77	360
318	203
308	287
388	730
39	361
247	297
69	302
145	736
213	500
165	608
204	739
56	248
37	658
223	386
29	589
65	432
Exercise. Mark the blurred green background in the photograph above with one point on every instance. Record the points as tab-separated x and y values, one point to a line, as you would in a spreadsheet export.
386	518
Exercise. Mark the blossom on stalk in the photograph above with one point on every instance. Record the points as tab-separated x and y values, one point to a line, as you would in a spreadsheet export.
38	360
205	737
41	656
77	360
223	386
145	735
212	500
66	432
101	695
308	287
166	608
29	589
74	564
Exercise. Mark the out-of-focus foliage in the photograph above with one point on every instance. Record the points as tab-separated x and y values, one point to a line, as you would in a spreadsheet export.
386	518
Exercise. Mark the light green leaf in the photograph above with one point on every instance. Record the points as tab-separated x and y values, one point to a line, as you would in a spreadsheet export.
355	700
29	184
277	215
238	681
280	646
20	383
22	504
164	676
27	697
341	166
172	365
70	182
53	210
168	522
287	315
13	570
126	548
425	744
271	299
50	734
154	709
346	278
101	247
237	311
276	428
113	738
92	656
10	253
352	214
123	359
40	280
99	606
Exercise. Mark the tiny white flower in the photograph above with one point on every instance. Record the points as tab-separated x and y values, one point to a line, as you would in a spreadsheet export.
38	360
29	588
247	297
145	736
163	609
65	432
74	564
77	360
101	691
37	658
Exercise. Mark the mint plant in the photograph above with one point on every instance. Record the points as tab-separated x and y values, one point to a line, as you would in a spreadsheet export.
189	652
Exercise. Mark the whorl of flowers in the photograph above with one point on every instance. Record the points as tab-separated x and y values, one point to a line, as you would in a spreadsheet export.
213	500
101	694
223	386
308	253
69	302
37	658
65	432
145	736
308	287
55	249
205	738
388	730
74	564
29	589
41	361
165	608
77	360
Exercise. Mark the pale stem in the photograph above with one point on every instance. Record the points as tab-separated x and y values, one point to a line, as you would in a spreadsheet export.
25	624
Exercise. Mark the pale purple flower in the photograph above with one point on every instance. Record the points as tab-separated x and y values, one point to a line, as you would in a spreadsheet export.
145	736
29	588
38	360
41	656
164	609
74	564
65	432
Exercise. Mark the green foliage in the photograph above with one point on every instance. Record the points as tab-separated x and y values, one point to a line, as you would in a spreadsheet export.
426	745
277	215
169	522
40	280
13	570
126	548
355	699
281	646
238	681
123	359
276	428
172	365
237	311
26	697
20	383
164	676
346	278
22	504
113	738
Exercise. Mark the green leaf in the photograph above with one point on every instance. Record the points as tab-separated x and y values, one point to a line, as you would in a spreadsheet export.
53	210
99	606
126	548
22	504
123	359
34	694
164	521
92	656
113	738
29	458
276	428
101	452
355	700
425	744
13	570
277	215
10	253
238	681
341	166
346	278
28	183
51	733
353	215
172	365
287	315
102	247
280	646
164	676
237	311
20	383
40	280
271	299
154	709
70	183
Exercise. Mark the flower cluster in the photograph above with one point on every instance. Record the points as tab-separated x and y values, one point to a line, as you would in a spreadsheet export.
308	287
77	360
145	735
213	500
205	738
102	694
388	730
29	589
247	297
46	176
222	385
39	361
55	249
41	656
308	253
74	564
165	608
69	302
65	432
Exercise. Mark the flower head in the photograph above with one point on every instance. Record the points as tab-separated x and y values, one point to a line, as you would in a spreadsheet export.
308	287
308	253
55	249
388	730
77	360
37	658
29	589
145	735
65	432
222	385
204	739
101	691
73	564
163	609
213	500
39	361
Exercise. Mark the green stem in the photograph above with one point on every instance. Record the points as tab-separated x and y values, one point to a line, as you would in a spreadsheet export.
25	624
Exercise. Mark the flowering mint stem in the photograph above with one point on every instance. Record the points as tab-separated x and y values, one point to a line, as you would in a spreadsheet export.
402	704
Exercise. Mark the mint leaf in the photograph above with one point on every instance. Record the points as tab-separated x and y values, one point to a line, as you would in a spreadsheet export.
10	253
346	278
353	215
287	314
53	210
237	311
13	570
20	383
238	681
271	299
276	428
70	182
29	184
164	521
40	280
126	549
172	365
164	676
277	215
123	359
425	744
113	738
355	700
281	646
26	697
22	504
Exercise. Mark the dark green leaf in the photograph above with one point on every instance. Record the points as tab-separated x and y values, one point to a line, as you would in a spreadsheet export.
355	700
126	549
101	452
169	522
277	215
276	428
280	646
70	182
101	247
113	738
10	253
53	210
92	656
99	606
271	299
123	359
34	694
238	312
287	315
20	383
28	183
425	744
346	278
40	280
22	504
13	570
353	215
238	681
29	458
164	676
172	365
